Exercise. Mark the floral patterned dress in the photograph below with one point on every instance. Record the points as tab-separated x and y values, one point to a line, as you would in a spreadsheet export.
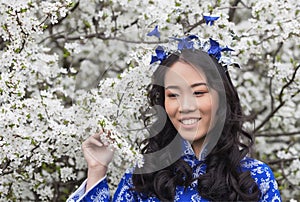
260	172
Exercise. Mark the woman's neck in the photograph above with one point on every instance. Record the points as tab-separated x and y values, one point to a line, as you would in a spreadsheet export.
197	146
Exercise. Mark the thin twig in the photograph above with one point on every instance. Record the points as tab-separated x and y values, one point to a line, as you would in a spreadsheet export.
288	83
61	19
278	134
232	10
101	36
194	26
285	176
276	161
281	102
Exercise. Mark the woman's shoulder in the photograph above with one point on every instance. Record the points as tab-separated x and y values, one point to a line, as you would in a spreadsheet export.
256	167
252	164
264	177
248	163
259	170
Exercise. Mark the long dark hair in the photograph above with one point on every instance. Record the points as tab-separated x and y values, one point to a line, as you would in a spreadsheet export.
224	179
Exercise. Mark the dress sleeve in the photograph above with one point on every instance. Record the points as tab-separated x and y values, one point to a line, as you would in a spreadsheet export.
100	191
124	190
266	181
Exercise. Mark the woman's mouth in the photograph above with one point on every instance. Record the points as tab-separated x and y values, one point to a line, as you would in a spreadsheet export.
189	121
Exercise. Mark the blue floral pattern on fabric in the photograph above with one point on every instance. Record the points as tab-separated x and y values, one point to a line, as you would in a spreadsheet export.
260	172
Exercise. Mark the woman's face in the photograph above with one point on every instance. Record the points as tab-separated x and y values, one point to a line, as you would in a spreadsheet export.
189	102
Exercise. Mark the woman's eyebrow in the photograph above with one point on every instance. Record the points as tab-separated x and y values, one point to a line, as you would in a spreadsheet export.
172	87
198	84
193	85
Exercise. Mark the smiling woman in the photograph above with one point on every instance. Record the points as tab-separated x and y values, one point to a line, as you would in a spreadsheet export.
190	103
197	149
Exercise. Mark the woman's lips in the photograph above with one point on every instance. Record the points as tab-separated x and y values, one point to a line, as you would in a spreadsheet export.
189	122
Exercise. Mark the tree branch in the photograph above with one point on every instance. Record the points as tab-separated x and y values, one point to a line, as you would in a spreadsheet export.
285	176
50	26
277	161
278	134
194	26
271	78
254	115
232	10
281	102
101	36
288	83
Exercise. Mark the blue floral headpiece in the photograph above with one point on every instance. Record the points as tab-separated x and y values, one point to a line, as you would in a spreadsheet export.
192	42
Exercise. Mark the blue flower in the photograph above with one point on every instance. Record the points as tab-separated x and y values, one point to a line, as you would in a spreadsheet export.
154	32
160	55
209	20
216	50
185	42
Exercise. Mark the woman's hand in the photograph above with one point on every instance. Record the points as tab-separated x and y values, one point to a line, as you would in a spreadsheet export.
98	156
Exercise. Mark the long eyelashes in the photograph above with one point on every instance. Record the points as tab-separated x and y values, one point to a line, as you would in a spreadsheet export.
196	93
199	93
172	95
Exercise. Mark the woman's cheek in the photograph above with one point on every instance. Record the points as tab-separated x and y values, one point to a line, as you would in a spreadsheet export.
171	106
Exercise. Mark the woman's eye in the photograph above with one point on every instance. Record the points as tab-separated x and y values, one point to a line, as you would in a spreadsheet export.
199	93
172	95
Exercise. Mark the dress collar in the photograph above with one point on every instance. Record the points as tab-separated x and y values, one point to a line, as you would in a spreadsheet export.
188	150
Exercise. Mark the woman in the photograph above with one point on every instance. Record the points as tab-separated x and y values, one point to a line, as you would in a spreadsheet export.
200	153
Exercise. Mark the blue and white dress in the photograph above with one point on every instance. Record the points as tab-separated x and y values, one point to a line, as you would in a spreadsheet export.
260	172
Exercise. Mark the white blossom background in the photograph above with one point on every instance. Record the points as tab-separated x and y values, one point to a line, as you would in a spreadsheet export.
68	68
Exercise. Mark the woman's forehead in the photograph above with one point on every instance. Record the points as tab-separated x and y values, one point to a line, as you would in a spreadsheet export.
184	73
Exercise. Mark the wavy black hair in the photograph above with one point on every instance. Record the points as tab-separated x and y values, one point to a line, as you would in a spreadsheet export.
224	179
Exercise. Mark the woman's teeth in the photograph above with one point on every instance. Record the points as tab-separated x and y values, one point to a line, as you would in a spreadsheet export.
189	121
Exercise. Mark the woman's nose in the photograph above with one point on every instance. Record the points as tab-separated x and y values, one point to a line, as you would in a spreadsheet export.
187	104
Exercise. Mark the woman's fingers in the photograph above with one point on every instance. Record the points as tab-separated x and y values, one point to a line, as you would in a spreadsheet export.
96	152
93	140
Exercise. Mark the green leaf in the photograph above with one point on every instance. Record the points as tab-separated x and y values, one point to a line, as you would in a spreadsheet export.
23	10
44	27
18	50
4	27
102	123
40	116
11	125
177	4
87	24
66	53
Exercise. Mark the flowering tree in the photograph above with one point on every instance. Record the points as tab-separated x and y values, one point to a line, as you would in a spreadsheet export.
69	68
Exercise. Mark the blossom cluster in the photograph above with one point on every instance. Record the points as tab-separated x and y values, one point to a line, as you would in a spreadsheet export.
70	68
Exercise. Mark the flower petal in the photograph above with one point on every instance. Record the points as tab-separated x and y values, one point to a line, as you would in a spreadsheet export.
227	49
154	59
192	37
154	32
214	47
209	20
160	55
